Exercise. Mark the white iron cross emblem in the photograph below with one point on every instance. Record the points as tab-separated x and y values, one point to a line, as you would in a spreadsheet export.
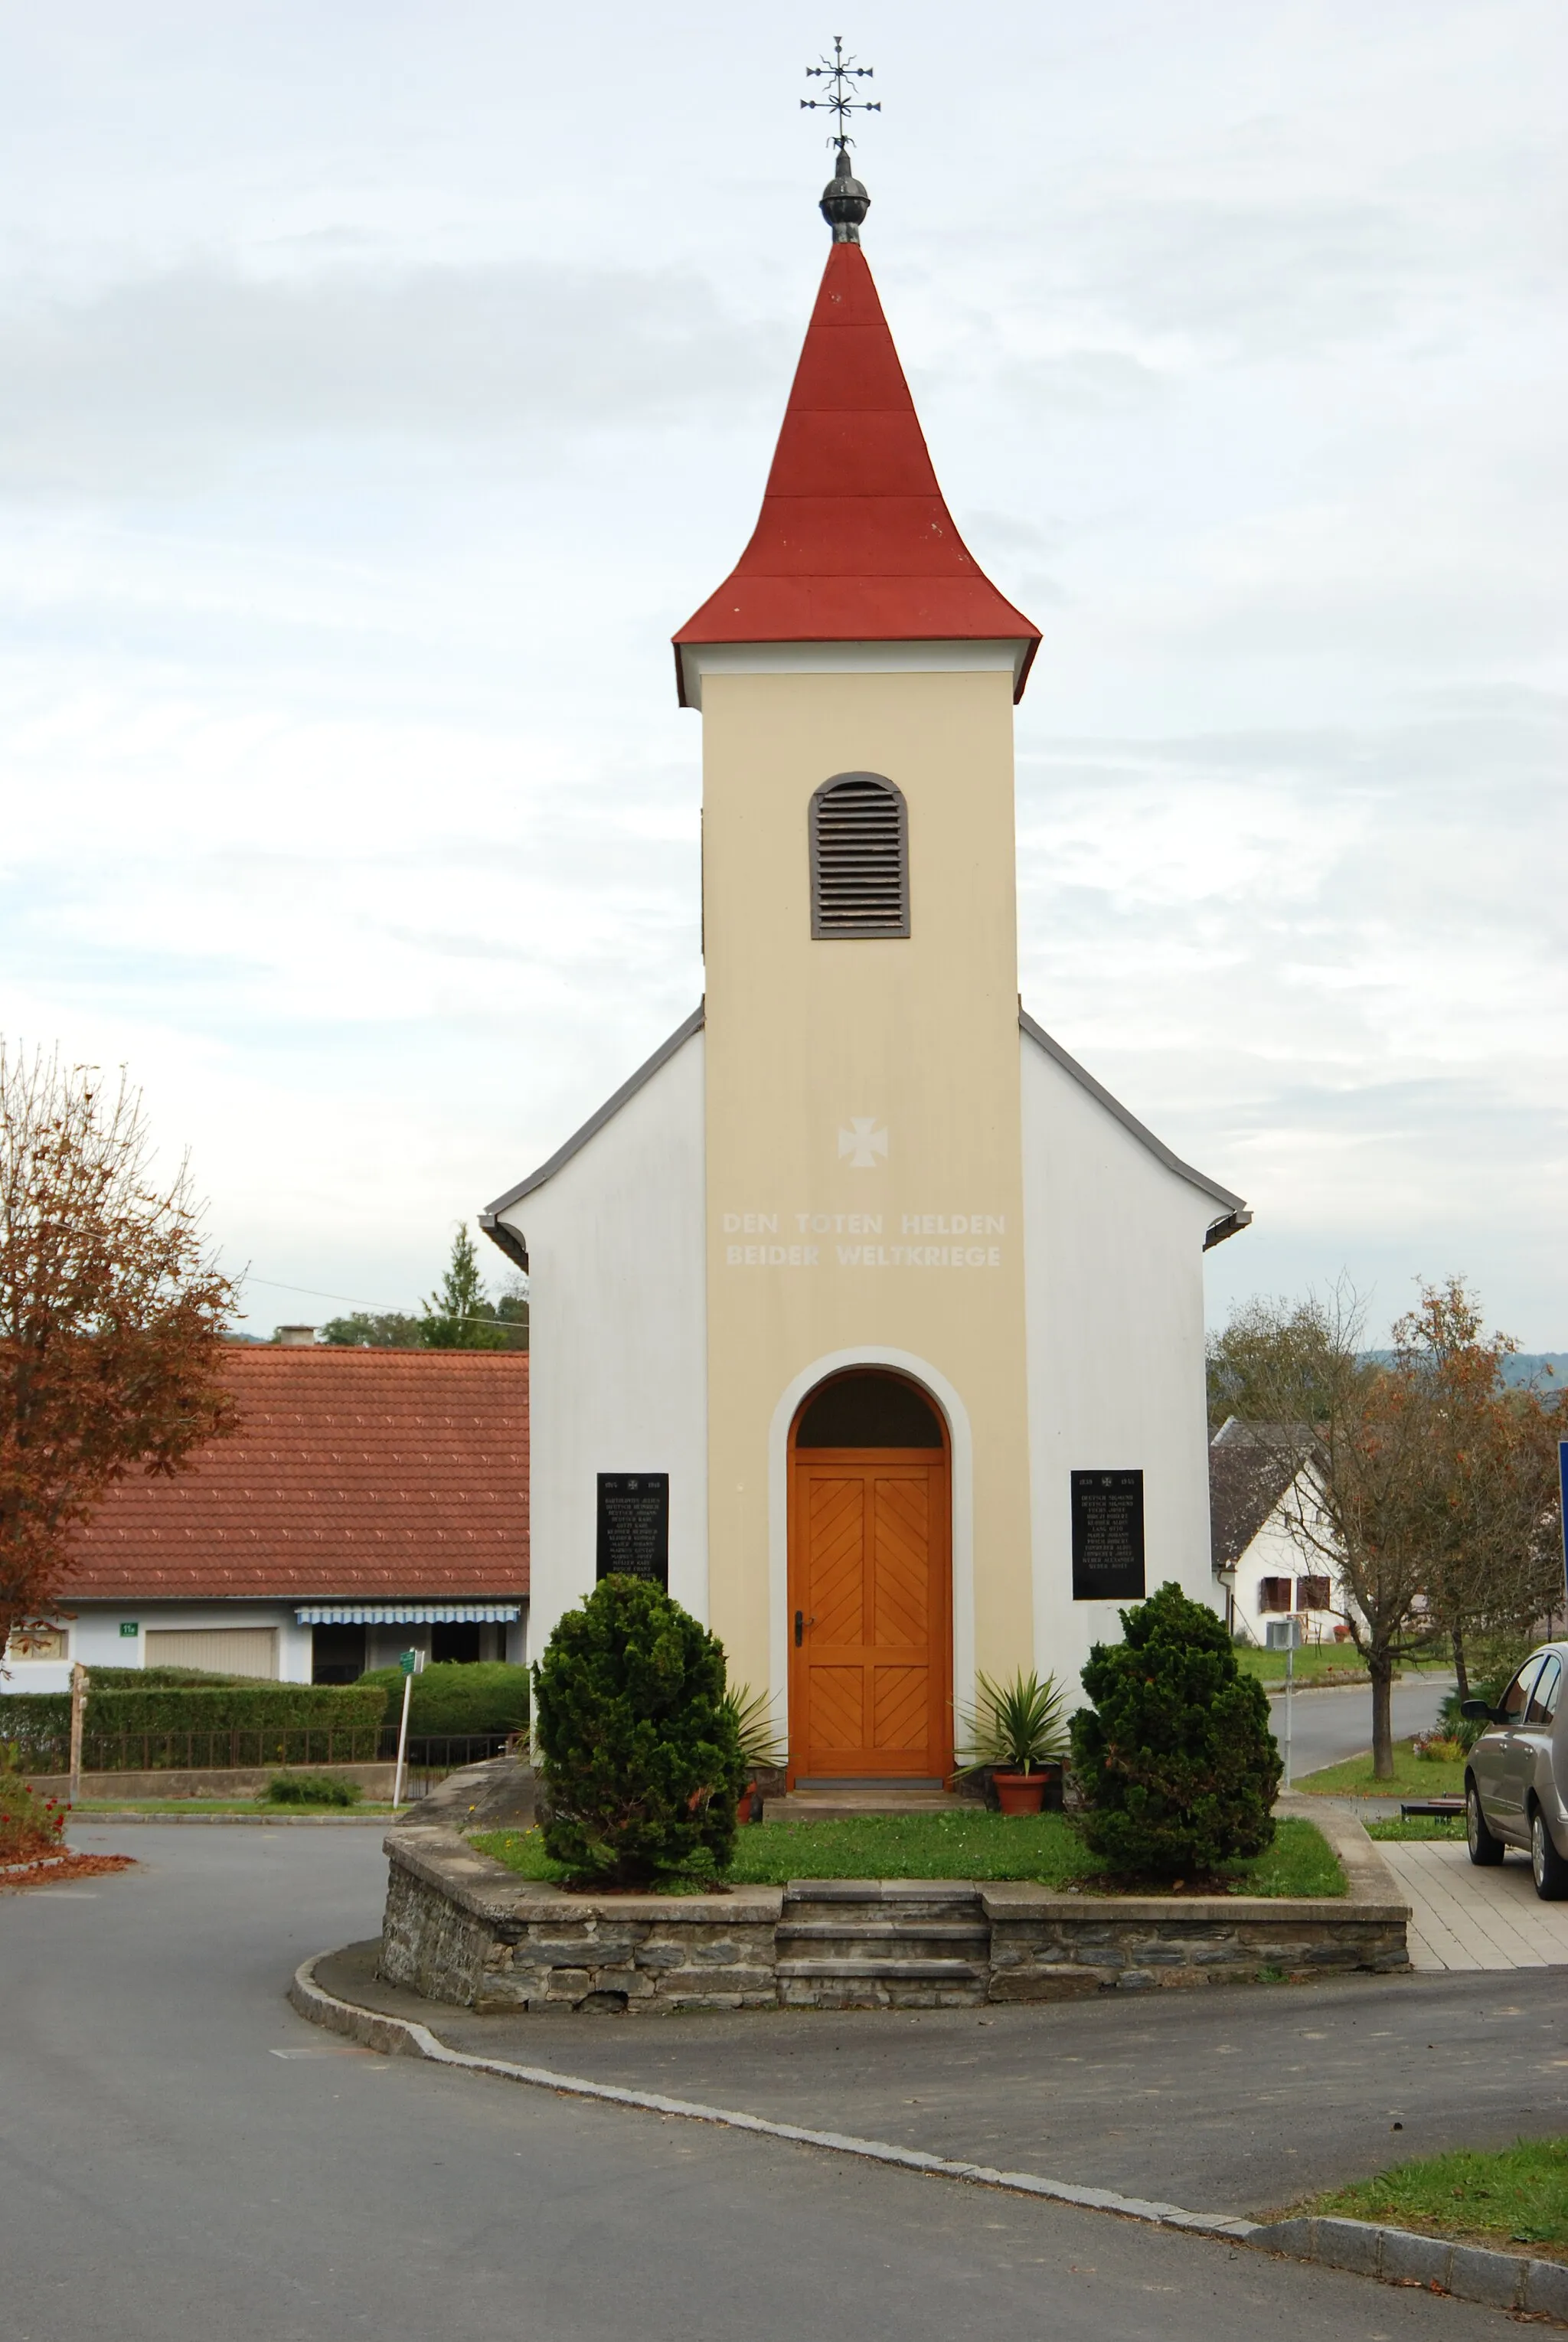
863	1141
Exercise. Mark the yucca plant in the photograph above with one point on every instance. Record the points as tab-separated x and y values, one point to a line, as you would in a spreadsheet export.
1013	1726
755	1736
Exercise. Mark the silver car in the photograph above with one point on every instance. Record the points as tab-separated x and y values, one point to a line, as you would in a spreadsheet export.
1518	1770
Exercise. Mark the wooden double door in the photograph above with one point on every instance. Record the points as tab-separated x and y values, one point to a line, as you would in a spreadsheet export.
871	1664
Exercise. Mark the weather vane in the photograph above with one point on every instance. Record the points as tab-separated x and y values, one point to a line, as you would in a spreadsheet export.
845	98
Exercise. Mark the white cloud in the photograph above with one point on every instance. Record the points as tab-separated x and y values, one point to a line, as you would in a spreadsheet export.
364	434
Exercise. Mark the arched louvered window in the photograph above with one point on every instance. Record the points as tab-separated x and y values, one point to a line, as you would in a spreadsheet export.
859	857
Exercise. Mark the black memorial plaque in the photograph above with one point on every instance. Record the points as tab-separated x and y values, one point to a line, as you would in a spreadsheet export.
634	1538
1107	1536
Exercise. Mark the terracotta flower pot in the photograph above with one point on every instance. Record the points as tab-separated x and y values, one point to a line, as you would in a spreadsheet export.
744	1810
1019	1792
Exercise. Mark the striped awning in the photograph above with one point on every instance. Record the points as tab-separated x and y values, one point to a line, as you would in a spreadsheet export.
409	1614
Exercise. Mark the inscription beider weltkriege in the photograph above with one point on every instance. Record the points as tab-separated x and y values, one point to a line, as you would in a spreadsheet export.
784	1239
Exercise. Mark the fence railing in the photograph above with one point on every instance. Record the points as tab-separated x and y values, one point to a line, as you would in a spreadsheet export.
232	1751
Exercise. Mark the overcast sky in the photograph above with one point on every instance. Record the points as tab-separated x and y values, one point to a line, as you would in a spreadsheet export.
381	385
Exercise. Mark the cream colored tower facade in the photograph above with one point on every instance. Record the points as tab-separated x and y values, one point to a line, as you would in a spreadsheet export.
889	1305
863	1149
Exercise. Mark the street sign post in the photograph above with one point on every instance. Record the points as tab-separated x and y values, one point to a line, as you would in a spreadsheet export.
1284	1635
412	1663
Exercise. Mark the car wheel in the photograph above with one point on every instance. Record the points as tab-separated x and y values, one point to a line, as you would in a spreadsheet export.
1547	1865
1484	1846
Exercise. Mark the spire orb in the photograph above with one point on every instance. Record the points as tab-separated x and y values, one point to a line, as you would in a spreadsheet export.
844	202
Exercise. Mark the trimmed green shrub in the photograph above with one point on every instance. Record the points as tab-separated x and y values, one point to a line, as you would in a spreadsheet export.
1175	1760
29	1825
164	1678
457	1699
634	1739
246	1721
310	1790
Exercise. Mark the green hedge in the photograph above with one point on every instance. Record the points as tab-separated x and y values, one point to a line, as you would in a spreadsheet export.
456	1699
245	1721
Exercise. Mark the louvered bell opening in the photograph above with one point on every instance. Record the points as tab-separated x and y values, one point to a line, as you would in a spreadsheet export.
859	859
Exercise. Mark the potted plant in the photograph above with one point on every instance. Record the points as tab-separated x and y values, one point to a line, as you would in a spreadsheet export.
1016	1733
750	1713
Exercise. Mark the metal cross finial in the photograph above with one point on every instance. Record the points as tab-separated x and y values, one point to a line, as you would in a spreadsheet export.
843	100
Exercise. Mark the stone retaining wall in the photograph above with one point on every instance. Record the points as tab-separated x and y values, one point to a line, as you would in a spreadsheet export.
218	1781
464	1929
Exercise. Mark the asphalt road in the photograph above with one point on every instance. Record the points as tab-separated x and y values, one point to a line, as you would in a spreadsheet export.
181	2157
1242	2099
165	2177
1328	1726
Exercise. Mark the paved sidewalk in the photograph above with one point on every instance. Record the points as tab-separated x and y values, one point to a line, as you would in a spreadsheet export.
1465	1917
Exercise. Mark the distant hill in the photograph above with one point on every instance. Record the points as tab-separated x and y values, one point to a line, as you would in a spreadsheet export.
1547	1367
1551	1367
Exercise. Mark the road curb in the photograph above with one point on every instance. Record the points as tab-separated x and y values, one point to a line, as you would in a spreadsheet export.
1403	2257
404	2036
246	1821
1393	2256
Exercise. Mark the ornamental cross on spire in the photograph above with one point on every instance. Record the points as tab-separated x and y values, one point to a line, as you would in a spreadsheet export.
844	97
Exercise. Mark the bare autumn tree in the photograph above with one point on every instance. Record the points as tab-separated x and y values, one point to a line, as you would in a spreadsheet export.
1494	1555
1357	1511
111	1318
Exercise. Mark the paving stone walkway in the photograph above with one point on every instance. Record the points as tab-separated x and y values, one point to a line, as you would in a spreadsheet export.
1467	1917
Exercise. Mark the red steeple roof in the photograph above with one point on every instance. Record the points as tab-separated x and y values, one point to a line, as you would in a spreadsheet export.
854	543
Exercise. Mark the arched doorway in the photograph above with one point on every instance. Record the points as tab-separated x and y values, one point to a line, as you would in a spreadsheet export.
870	1583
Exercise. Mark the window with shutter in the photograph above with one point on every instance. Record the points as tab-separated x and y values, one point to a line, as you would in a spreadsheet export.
1274	1593
859	829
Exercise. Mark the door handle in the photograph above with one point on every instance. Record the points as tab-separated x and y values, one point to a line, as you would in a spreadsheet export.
801	1623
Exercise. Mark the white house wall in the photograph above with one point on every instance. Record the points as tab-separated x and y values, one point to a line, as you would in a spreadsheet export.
1113	1302
617	1335
94	1637
1274	1553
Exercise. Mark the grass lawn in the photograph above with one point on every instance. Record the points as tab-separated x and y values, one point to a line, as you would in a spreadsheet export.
1315	1660
981	1846
1419	1826
1414	1776
1517	2195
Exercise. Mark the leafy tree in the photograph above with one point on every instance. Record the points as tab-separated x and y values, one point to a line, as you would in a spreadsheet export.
1494	1554
1430	1500
635	1741
512	1310
459	1316
1176	1758
1359	1515
112	1318
1269	1344
376	1329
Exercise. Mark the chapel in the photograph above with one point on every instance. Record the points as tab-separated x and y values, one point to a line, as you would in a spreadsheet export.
862	1317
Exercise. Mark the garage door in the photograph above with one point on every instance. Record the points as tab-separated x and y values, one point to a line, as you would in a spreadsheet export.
221	1650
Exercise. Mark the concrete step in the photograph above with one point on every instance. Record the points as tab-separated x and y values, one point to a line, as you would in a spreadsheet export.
884	1931
852	1805
899	1971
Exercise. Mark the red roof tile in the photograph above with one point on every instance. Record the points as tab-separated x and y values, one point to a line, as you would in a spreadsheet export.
854	542
370	1473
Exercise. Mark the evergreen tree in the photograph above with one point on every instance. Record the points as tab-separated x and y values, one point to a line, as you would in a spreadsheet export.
458	1316
638	1749
1176	1759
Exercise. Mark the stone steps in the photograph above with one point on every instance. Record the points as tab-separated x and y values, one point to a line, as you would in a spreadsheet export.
872	1943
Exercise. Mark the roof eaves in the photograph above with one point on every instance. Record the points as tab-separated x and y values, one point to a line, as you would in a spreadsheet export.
594	1124
1236	1215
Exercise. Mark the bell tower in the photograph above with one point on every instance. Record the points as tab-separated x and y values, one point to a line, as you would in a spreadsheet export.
856	676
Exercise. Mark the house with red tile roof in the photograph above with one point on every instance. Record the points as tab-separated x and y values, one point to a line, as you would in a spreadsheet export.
370	1500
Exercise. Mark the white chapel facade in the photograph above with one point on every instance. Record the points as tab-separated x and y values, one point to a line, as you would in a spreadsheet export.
886	1314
